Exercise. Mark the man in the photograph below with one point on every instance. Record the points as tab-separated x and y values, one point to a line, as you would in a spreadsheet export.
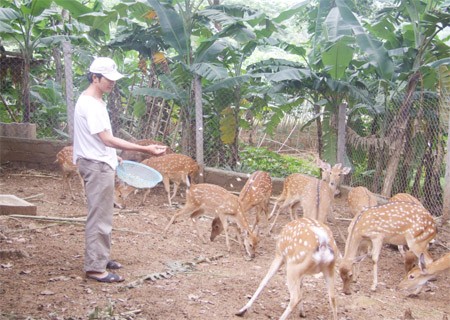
94	151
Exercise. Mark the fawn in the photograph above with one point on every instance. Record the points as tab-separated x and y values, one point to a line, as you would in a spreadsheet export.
397	223
205	198
360	198
419	276
64	158
307	247
294	188
174	167
255	194
405	197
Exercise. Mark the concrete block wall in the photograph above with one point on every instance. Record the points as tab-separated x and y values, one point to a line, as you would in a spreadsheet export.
29	153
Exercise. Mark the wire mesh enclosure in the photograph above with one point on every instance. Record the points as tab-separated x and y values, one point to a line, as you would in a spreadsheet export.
397	146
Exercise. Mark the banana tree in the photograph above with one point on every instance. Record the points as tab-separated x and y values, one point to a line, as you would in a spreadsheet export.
24	23
212	43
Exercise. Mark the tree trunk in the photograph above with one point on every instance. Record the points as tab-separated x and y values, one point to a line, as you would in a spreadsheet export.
403	177
319	130
396	136
26	87
199	124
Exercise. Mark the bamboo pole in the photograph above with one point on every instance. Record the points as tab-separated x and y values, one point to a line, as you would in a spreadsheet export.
446	205
67	50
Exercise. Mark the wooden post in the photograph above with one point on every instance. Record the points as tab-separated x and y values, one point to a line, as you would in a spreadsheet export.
446	206
67	50
342	123
199	125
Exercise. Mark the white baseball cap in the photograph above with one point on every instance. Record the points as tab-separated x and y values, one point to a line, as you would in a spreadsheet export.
106	67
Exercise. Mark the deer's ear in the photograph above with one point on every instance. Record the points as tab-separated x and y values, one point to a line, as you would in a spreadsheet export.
346	170
323	165
422	264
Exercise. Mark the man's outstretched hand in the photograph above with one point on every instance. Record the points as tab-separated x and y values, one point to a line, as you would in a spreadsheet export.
156	149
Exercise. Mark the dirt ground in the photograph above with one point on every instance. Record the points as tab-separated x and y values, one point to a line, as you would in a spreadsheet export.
177	276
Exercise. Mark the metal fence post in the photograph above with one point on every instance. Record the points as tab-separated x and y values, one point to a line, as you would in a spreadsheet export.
67	51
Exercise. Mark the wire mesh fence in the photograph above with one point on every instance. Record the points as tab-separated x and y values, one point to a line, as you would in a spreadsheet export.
400	147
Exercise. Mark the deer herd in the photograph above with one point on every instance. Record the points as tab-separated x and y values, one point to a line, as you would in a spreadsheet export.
306	244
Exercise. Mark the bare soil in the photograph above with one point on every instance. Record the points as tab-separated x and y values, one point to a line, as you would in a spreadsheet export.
174	276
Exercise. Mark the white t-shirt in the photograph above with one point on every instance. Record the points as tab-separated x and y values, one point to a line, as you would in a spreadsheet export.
91	118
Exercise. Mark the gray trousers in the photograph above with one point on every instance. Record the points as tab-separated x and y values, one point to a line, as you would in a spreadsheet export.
99	187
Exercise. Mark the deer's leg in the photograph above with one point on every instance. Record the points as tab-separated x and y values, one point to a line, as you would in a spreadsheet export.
194	216
330	281
166	183
144	197
175	189
274	220
294	277
276	264
277	204
185	210
258	211
225	229
377	244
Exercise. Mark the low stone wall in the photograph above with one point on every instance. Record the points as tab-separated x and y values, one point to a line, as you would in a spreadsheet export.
29	153
18	130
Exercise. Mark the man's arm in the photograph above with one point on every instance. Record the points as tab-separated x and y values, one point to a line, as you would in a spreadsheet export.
109	140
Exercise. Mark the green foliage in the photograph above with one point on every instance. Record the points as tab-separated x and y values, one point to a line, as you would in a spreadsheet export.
254	158
50	112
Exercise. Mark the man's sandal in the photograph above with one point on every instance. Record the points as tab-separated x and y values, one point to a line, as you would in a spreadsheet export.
109	278
113	265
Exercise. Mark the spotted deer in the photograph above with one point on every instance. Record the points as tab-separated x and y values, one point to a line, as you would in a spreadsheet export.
206	198
317	201
360	198
420	275
295	185
175	168
397	223
404	197
255	194
307	247
64	159
141	156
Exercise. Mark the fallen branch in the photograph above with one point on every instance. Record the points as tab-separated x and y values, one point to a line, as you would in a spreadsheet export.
46	218
34	228
35	175
70	220
131	231
34	196
131	313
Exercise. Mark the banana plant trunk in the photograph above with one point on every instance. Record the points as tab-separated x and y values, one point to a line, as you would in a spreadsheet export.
396	136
